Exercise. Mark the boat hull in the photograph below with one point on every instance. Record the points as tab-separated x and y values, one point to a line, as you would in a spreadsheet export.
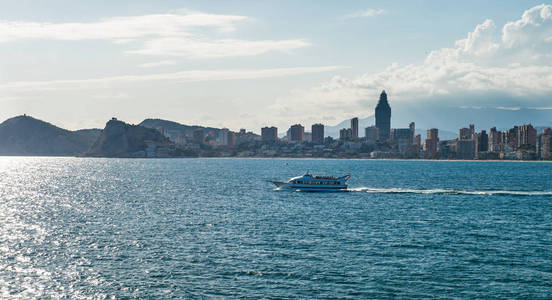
309	188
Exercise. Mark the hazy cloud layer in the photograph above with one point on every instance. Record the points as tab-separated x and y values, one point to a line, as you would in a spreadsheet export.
515	61
206	48
182	76
155	64
159	34
365	13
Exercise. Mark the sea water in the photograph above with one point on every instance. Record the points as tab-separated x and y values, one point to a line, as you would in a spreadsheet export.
191	228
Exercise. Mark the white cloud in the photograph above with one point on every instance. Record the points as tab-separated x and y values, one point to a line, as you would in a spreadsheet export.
119	28
541	108
205	48
533	28
517	62
480	41
508	108
157	64
182	76
159	34
365	13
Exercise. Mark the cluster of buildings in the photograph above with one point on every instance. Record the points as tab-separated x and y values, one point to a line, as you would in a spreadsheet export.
520	142
379	141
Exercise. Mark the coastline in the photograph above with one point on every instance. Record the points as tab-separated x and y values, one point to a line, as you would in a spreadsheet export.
284	158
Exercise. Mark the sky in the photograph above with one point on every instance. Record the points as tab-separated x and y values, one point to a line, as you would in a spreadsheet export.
249	64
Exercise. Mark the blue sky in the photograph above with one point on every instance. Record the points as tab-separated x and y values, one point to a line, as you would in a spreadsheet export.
254	63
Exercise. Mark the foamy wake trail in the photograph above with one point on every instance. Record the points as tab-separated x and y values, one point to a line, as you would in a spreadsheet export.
448	191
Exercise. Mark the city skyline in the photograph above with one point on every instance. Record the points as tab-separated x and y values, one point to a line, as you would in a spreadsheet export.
249	63
170	139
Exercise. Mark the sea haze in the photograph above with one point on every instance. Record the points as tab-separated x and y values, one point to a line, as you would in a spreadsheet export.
185	228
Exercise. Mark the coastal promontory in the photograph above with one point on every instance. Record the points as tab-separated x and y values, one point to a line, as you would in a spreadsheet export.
119	139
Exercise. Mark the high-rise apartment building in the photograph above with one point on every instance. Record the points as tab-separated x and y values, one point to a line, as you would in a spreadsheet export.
465	149
401	134
465	133
544	148
222	138
345	134
418	140
354	128
431	142
297	132
482	142
412	127
494	140
401	137
317	131
371	133
512	138
526	135
269	134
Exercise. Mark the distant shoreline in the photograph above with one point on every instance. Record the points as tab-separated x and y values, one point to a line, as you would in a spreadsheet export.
287	158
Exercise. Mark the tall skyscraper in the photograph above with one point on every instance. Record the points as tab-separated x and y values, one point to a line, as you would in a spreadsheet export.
317	131
269	134
383	117
354	128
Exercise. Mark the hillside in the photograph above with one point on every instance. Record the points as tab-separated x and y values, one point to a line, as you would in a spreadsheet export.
119	139
24	135
174	126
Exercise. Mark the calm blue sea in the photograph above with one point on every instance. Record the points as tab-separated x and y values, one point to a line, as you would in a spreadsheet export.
192	228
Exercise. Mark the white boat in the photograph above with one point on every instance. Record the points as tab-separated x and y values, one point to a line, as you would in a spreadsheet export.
308	182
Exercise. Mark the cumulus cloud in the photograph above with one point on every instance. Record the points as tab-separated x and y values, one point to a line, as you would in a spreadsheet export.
182	76
159	34
534	27
516	61
365	13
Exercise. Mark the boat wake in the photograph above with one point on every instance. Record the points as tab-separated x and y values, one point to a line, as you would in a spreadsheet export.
448	191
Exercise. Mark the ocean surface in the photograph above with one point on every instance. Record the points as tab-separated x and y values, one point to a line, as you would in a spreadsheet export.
200	228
